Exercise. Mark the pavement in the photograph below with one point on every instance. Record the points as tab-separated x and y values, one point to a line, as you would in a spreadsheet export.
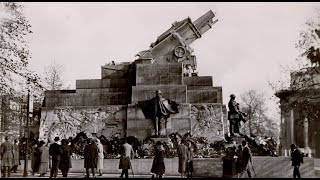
19	174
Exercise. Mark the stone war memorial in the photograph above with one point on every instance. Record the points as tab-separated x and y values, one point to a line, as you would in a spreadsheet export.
111	107
107	107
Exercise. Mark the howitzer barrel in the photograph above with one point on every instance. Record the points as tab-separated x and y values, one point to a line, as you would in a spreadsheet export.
205	22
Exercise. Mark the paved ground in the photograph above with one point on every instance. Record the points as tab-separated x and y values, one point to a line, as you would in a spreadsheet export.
81	175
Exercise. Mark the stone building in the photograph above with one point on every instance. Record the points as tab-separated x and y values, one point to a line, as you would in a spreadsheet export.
300	112
107	107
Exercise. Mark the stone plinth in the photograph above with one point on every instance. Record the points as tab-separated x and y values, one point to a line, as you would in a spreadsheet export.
173	92
114	71
103	90
101	83
159	74
140	127
87	99
198	81
213	95
265	167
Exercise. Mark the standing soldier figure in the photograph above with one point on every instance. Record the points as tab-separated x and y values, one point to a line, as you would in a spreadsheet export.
235	116
158	109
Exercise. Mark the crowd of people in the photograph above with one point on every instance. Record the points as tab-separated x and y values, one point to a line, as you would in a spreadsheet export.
57	156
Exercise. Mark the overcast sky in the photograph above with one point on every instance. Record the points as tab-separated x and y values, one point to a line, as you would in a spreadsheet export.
244	49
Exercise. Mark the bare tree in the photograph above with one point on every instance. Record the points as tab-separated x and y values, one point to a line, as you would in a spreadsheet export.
53	76
253	103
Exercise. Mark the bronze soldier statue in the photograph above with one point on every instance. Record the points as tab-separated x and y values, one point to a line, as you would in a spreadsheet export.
158	109
235	116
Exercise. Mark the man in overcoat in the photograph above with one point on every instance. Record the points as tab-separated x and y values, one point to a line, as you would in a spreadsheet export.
91	157
297	159
244	156
126	153
55	153
6	152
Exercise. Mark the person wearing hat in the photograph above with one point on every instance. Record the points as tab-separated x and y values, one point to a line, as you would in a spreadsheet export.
158	109
6	152
55	153
44	158
16	161
297	159
244	156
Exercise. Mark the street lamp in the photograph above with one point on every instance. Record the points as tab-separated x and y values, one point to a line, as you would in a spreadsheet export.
26	135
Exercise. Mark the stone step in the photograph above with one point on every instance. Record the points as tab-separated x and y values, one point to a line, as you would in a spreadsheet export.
204	96
101	83
198	81
173	92
87	99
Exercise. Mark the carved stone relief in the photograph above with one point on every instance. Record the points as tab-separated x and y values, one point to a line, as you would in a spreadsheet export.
68	122
207	120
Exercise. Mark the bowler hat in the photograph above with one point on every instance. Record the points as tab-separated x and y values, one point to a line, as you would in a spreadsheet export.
158	92
232	95
57	138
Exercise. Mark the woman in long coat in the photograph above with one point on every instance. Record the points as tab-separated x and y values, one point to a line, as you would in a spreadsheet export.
65	161
182	155
37	159
16	161
158	166
7	156
100	157
90	157
44	158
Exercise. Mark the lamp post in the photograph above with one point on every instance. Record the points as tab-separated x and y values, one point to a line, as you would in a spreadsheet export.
26	135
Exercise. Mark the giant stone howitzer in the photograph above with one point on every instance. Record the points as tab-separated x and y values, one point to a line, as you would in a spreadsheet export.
173	45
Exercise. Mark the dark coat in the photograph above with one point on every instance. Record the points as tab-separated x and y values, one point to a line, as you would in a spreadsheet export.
91	156
189	167
296	157
55	152
244	156
156	107
233	112
37	161
182	155
158	166
65	161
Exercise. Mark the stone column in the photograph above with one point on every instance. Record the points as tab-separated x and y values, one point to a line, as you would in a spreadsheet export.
307	150
291	128
290	131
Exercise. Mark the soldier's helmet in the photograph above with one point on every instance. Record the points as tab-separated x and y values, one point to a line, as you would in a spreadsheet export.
232	96
158	92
